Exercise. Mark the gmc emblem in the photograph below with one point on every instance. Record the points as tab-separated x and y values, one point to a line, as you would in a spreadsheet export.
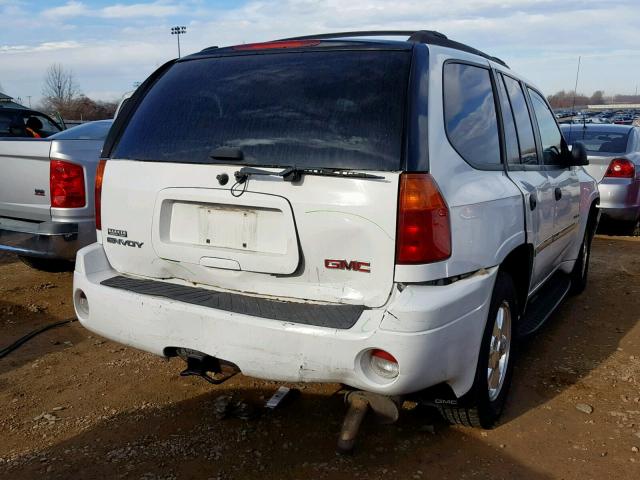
353	265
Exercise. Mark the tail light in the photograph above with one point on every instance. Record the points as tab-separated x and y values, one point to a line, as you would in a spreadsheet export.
66	184
424	230
621	168
98	193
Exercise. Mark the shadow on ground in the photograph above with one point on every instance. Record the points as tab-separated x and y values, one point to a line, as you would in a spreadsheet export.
184	439
612	228
297	442
7	258
584	331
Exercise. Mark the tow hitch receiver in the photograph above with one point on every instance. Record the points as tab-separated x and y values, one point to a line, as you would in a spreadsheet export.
386	410
200	364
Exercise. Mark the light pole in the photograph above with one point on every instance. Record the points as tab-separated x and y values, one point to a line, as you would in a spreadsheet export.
178	31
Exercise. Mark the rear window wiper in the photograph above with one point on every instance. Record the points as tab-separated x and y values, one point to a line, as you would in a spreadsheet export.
294	174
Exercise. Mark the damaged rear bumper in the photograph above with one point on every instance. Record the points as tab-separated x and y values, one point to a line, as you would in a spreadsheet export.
434	332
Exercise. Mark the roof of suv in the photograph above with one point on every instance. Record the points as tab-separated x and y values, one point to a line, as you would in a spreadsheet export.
429	37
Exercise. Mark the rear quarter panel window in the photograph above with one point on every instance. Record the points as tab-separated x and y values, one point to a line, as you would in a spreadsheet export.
470	114
510	133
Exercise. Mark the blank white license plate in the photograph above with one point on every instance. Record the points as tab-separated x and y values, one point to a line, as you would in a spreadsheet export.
225	226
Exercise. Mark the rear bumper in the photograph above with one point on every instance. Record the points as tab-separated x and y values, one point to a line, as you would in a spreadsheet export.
55	240
620	199
433	331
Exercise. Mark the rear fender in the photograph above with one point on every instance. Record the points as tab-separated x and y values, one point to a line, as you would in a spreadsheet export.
589	201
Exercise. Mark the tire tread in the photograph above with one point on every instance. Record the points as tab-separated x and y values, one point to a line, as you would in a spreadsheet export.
468	417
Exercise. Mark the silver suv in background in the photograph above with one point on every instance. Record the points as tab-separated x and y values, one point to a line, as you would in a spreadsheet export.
389	215
614	162
46	194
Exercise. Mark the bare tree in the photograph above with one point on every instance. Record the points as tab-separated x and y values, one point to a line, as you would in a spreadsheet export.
597	98
564	99
60	89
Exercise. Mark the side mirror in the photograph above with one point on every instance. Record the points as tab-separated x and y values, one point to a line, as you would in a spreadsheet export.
578	155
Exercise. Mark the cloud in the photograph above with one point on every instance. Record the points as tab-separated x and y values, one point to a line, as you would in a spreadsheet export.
69	9
155	9
118	11
42	47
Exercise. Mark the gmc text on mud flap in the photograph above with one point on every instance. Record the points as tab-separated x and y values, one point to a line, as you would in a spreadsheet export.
126	243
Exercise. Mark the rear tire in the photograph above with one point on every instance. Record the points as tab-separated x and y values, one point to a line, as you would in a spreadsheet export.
47	264
632	229
483	404
580	272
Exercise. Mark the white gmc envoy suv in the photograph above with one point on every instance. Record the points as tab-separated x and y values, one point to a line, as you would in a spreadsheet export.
388	215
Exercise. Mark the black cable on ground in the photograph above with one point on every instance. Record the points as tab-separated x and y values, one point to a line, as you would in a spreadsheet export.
6	351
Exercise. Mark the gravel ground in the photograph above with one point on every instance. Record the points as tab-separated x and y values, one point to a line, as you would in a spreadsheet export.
78	406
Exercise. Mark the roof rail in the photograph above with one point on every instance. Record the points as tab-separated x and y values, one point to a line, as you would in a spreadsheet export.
361	33
430	37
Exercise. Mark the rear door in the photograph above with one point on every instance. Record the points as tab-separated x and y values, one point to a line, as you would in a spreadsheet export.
524	168
174	207
564	180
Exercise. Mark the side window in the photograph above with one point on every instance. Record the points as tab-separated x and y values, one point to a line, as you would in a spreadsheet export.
510	133
523	121
550	135
48	127
40	125
470	114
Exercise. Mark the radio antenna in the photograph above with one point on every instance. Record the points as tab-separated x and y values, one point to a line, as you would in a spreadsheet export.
575	90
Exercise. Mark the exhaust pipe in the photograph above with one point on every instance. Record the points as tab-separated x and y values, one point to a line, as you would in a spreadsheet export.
386	410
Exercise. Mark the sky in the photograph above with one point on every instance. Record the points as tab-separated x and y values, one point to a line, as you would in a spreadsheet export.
109	46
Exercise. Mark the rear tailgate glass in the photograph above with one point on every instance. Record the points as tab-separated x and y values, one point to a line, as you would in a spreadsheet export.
331	109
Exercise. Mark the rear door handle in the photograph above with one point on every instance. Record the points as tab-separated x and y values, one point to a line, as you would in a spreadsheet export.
558	193
533	202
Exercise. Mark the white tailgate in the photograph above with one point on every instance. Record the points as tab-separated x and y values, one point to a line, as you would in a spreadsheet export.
298	240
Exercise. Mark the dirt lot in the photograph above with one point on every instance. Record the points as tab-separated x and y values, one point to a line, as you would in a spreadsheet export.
77	406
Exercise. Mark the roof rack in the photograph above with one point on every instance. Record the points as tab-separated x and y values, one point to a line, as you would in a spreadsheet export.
430	37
